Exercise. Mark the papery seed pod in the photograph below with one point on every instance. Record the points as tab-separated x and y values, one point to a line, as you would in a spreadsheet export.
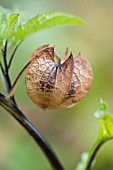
57	85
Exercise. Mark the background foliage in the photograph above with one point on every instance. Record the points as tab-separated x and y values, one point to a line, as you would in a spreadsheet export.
70	131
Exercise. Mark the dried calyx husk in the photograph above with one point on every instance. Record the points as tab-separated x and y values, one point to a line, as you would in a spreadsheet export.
54	84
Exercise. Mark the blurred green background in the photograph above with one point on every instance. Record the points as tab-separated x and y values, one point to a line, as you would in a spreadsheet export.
69	131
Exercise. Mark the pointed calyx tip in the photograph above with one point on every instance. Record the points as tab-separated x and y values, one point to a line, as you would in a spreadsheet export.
71	55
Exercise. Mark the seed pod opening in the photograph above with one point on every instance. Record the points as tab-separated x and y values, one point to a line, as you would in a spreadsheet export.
57	85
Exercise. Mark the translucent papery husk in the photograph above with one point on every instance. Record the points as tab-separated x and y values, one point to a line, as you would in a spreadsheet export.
53	86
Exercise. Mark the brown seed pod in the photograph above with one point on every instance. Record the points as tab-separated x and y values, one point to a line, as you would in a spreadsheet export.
57	85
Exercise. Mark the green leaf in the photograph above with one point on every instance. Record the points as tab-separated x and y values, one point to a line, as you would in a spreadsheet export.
44	21
3	25
12	26
105	134
106	128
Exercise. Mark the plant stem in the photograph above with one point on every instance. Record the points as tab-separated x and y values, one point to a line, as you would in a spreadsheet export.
6	73
2	68
92	154
12	90
31	129
4	52
12	56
